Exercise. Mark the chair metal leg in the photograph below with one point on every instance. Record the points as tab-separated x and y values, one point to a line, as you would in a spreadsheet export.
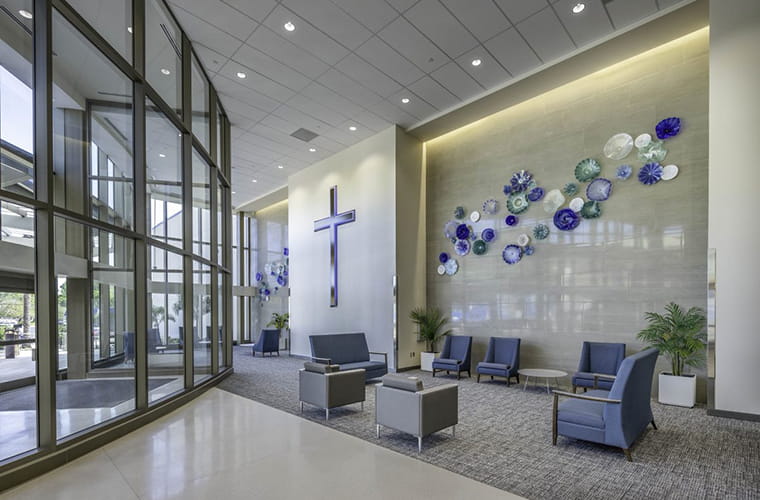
491	377
362	405
327	414
458	374
478	380
654	425
554	419
575	387
301	406
454	431
377	430
433	372
419	444
628	454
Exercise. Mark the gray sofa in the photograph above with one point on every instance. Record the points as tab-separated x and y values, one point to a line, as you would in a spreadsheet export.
402	404
350	351
327	386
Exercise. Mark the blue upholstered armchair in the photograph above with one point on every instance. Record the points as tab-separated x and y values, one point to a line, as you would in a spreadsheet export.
502	359
615	417
598	365
269	341
455	356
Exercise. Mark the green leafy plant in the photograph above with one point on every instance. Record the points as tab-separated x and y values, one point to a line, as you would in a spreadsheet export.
280	321
678	334
430	322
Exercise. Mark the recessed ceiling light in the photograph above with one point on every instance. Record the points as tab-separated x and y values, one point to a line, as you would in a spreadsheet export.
162	155
476	62
254	180
405	100
289	26
234	192
578	8
165	71
25	14
129	29
312	150
279	166
352	128
240	74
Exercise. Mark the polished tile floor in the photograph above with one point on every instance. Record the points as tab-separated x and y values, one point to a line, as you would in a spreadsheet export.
223	446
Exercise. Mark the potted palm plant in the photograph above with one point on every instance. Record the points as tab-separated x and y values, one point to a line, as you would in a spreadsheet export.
680	335
430	323
281	322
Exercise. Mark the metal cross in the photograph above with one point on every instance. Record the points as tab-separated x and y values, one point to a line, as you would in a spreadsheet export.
332	222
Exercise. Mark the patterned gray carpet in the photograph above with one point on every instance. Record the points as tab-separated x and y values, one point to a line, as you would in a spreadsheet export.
504	439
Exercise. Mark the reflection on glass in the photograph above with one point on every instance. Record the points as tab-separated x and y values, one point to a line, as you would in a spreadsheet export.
219	144
112	19
201	207
163	54
220	308
96	340
92	130
16	101
201	321
163	160
201	128
221	203
166	344
18	329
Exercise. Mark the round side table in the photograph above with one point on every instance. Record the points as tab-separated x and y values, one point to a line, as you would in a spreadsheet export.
544	373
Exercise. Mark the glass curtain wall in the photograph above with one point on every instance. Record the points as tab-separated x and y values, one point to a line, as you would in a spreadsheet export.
115	220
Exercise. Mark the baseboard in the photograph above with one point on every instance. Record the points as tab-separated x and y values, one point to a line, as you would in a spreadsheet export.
734	414
407	368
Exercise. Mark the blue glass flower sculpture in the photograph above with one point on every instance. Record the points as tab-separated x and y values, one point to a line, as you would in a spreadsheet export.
507	189
667	128
541	231
599	189
259	276
285	251
566	219
517	203
459	213
529	250
570	188
489	234
443	257
511	254
463	232
651	173
536	194
511	220
281	280
520	181
462	247
623	172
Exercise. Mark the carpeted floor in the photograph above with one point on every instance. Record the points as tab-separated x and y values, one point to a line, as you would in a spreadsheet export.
504	439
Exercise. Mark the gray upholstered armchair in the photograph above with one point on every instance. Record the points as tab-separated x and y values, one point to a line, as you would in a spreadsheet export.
455	356
326	387
402	404
598	365
502	359
269	341
615	417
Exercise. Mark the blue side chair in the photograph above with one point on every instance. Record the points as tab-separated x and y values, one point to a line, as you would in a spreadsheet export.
502	359
455	356
269	341
598	366
615	417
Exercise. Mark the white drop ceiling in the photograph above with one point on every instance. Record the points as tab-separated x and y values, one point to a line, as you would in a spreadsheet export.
350	62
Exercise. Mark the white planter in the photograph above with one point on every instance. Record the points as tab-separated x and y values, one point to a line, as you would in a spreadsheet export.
677	390
426	360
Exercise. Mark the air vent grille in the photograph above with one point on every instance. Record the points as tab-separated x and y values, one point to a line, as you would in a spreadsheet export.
304	135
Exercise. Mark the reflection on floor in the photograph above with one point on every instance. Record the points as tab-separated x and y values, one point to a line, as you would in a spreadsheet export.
225	446
18	418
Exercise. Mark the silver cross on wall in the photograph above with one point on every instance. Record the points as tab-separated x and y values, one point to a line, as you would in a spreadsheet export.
332	222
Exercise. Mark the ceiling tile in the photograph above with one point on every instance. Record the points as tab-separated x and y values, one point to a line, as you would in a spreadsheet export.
281	49
546	36
259	62
490	73
512	52
202	32
306	36
393	114
276	122
217	14
413	45
244	108
372	121
301	119
481	17
256	82
433	92
518	10
325	96
210	59
417	106
380	55
348	88
664	4
225	86
326	16
317	110
591	24
625	12
258	10
369	76
401	5
374	14
437	23
457	81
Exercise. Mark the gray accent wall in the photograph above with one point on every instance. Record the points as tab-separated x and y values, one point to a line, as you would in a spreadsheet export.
649	246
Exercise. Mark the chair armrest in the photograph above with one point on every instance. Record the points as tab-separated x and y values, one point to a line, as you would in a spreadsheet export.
324	361
439	408
383	354
597	376
584	396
